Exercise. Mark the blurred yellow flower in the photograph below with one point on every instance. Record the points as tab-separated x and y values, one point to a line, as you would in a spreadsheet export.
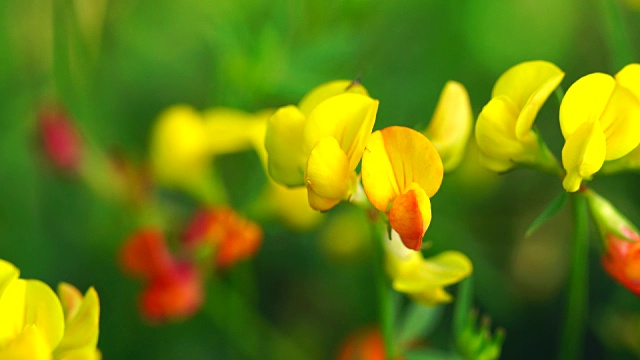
401	170
320	143
451	124
179	147
504	130
36	325
424	279
600	121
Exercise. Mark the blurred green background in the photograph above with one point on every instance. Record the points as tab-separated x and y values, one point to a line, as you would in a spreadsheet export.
116	64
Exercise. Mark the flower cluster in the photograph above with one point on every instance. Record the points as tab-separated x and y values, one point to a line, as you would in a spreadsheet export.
174	283
319	144
599	117
37	324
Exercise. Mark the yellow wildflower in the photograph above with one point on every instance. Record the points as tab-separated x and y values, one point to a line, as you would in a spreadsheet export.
401	170
319	143
35	325
600	120
504	130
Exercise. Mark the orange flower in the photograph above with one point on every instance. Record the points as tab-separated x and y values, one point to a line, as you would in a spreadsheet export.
173	288
622	259
365	344
231	237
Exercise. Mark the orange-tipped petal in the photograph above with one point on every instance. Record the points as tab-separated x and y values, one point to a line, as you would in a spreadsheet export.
396	157
410	216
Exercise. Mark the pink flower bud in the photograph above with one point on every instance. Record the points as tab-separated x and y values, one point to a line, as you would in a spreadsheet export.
60	140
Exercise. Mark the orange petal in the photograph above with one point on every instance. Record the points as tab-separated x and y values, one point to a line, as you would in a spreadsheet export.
410	216
145	254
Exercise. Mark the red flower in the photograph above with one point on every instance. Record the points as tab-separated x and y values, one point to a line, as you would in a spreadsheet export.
365	344
173	288
232	237
622	259
60	140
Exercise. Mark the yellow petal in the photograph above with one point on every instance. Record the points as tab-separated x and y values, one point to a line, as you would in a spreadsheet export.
394	158
283	141
231	130
451	124
327	90
583	154
348	118
321	203
179	146
496	136
424	279
86	353
629	77
291	206
8	272
620	122
528	85
410	216
30	302
82	319
29	344
328	173
585	101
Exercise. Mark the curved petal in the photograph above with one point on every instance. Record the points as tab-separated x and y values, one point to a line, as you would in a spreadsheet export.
8	272
82	319
585	101
629	77
451	124
394	158
328	173
30	302
410	216
620	122
424	279
348	118
523	80
327	90
496	131
528	85
583	154
284	144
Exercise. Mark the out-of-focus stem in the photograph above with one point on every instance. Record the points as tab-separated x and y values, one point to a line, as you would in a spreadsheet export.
577	301
385	296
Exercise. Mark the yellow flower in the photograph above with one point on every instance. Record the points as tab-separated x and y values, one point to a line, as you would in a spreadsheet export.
628	77
451	124
504	130
319	143
600	121
401	170
35	325
424	279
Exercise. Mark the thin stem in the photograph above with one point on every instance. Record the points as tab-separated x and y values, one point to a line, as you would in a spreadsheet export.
385	296
575	321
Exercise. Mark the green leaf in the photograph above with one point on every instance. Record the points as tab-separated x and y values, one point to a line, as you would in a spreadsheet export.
418	321
554	206
462	310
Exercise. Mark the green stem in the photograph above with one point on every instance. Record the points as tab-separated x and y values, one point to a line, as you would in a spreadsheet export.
617	37
385	296
576	313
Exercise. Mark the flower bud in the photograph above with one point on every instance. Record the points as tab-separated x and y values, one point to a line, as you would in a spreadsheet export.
60	140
